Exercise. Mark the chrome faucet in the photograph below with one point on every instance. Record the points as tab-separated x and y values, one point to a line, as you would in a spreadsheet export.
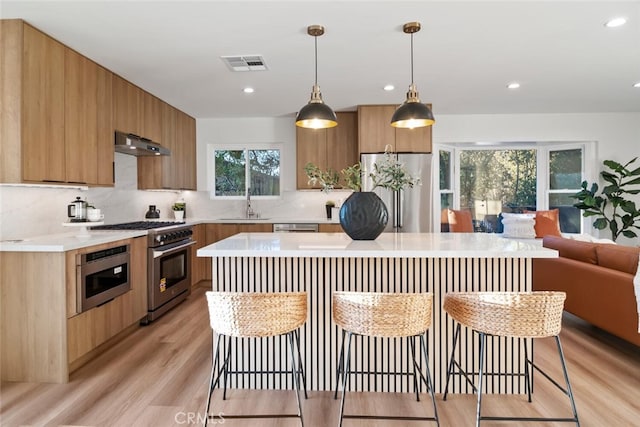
250	212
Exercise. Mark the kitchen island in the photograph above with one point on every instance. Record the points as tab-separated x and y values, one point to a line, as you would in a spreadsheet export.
320	263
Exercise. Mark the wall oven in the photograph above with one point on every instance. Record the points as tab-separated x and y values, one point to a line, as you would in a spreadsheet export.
102	276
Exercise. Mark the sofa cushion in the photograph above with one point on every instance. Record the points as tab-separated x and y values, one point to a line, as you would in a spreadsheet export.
460	221
518	225
547	223
621	258
567	248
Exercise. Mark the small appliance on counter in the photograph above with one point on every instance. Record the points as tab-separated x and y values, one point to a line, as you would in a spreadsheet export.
152	213
77	210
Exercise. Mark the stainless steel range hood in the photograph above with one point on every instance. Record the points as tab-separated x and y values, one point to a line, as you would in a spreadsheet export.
128	143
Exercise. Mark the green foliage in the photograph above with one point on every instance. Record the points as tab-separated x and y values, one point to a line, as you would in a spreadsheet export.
353	176
611	208
392	175
505	175
326	179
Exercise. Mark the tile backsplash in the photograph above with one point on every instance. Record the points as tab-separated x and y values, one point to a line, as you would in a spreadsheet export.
27	211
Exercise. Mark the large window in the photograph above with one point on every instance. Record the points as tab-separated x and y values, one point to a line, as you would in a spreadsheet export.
237	172
512	178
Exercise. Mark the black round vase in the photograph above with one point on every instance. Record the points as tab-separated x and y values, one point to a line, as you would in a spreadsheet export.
363	215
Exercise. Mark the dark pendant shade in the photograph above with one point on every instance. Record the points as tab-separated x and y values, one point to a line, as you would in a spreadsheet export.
412	114
316	115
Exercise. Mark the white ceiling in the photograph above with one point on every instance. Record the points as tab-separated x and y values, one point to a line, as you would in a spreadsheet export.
465	55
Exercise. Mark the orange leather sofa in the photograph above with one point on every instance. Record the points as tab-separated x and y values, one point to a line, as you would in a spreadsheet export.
598	280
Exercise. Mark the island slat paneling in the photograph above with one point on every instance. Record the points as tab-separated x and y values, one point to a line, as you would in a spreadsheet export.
320	338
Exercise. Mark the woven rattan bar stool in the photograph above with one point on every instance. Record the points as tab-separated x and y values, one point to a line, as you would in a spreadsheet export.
383	315
518	315
256	315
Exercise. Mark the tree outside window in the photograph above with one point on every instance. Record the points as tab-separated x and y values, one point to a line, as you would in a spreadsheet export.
235	171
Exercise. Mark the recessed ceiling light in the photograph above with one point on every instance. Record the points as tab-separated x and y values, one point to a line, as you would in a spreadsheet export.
248	90
636	85
513	85
615	22
389	87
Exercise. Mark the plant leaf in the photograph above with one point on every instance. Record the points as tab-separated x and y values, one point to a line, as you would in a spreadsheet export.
629	233
600	224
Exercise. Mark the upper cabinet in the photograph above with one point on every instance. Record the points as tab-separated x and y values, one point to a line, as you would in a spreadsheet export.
56	116
375	132
335	148
177	171
60	110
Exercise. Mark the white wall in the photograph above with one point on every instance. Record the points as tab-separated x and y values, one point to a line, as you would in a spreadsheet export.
28	212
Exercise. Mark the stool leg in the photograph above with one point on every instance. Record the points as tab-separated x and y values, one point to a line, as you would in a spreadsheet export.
566	379
212	383
295	374
423	343
345	376
483	346
340	367
412	344
300	364
225	368
456	336
527	382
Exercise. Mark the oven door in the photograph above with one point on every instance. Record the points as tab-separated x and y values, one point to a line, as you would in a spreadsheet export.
169	273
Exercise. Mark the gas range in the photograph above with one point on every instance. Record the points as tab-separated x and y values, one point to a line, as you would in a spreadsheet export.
160	233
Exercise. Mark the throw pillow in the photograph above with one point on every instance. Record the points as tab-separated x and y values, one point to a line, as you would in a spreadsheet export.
519	226
547	223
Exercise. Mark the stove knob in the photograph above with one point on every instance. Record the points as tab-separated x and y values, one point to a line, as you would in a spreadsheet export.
158	238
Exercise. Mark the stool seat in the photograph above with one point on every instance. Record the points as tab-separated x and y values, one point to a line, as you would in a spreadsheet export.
382	314
255	314
512	314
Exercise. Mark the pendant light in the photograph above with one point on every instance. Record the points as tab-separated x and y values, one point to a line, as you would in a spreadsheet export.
316	114
412	114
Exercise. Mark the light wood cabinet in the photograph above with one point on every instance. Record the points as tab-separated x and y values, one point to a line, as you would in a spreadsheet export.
330	228
200	267
87	121
127	106
335	148
56	117
375	132
43	336
177	171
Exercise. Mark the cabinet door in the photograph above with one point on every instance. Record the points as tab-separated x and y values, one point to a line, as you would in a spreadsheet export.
43	156
311	146
330	228
105	127
374	128
151	117
126	106
186	139
199	266
416	140
342	142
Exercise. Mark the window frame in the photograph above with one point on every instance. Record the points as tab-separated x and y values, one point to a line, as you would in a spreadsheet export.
211	167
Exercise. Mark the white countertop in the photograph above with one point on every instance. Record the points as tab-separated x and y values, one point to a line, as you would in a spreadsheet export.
66	241
387	245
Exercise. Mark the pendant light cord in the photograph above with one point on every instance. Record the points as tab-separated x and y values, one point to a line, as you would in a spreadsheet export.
412	59
315	39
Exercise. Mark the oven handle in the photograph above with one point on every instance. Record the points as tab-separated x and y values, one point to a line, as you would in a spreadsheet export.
159	252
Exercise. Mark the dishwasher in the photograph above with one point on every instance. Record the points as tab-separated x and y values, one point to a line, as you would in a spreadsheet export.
295	228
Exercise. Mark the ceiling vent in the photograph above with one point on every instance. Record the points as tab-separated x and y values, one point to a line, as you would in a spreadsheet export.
245	63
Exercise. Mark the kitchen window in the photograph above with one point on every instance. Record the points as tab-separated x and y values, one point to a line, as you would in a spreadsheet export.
235	170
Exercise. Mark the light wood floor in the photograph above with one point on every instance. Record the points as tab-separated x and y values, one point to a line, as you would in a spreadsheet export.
158	376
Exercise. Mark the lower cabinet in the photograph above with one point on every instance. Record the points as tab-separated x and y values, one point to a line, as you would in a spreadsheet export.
200	267
43	337
86	331
330	228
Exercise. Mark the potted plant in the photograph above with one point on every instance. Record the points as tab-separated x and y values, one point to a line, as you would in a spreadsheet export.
391	174
611	209
326	179
178	211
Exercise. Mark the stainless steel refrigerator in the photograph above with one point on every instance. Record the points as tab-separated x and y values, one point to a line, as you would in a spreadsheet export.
410	210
